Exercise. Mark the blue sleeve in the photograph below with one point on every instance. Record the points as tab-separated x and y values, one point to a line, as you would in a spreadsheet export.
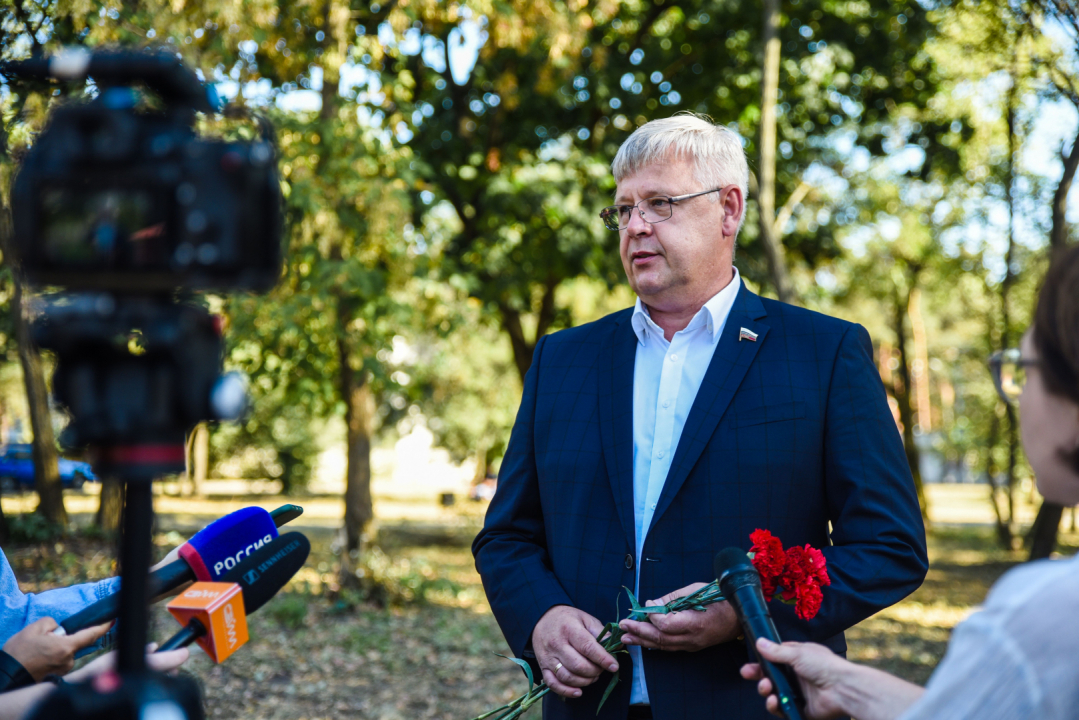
511	549
878	551
18	609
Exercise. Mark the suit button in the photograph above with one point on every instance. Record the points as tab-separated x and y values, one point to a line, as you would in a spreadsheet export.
629	561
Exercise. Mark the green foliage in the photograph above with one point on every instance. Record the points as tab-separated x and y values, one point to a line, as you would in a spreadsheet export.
290	609
32	527
441	215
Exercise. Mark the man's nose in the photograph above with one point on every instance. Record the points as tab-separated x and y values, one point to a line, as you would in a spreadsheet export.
637	223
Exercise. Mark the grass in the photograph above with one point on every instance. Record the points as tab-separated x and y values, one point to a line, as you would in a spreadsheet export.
429	652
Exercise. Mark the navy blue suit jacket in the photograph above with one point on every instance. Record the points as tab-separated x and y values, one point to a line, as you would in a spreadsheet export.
787	433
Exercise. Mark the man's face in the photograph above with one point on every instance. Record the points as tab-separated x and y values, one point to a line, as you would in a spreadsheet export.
684	260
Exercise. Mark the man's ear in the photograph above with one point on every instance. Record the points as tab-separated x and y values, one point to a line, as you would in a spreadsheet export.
734	207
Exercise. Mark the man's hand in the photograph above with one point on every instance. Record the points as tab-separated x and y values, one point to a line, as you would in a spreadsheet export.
564	641
42	653
689	630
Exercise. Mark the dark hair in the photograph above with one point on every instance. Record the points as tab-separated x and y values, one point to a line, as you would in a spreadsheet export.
1056	332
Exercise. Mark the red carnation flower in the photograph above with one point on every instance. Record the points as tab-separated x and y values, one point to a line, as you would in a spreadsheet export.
768	558
818	565
794	573
804	573
808	602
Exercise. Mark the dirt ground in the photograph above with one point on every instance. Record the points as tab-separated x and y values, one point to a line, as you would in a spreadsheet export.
428	649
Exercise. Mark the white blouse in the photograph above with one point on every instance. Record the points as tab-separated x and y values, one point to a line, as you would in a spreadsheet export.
1018	657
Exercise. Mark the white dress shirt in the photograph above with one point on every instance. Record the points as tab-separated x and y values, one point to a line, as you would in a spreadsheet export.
666	378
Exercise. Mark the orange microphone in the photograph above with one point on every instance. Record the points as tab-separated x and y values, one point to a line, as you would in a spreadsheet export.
213	612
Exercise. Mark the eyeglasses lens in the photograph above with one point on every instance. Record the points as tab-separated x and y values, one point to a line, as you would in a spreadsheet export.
1012	378
653	210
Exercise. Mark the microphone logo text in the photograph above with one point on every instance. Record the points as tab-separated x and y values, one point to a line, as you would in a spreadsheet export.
230	562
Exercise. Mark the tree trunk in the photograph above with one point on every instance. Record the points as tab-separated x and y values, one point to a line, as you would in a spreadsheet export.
46	462
479	474
1058	236
920	375
110	507
200	458
766	191
902	391
1004	526
5	535
1009	279
1043	533
359	414
511	324
522	349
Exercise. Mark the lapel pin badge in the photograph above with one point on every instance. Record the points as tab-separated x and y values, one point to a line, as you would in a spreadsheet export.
747	334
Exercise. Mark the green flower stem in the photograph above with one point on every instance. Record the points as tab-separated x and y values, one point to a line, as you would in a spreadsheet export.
610	638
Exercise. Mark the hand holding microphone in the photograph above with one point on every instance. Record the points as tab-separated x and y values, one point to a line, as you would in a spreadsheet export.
741	585
821	676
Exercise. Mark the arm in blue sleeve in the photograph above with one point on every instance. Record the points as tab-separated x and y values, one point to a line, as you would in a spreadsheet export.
18	609
511	549
878	553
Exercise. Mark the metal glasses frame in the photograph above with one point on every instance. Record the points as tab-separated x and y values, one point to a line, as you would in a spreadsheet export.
610	213
997	361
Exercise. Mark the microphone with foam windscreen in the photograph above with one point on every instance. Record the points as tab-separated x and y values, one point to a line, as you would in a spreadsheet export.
207	556
260	576
741	586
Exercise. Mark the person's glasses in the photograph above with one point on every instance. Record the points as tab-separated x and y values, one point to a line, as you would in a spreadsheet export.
653	210
1009	369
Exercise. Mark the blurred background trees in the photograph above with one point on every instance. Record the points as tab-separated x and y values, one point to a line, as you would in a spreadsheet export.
444	164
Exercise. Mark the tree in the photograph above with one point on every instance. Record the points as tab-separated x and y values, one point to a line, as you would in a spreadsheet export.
16	23
770	231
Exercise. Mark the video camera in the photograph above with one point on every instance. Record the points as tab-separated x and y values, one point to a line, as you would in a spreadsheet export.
128	210
114	198
127	206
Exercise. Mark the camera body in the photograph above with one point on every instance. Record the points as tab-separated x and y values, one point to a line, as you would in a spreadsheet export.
110	198
126	208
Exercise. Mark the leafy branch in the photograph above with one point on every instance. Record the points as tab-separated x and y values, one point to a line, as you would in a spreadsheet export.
611	640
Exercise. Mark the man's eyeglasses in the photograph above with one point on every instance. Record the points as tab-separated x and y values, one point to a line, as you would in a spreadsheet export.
653	210
1009	369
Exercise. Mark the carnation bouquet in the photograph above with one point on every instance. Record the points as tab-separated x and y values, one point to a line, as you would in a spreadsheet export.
793	576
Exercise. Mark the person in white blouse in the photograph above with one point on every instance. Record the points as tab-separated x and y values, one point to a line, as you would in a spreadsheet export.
1017	656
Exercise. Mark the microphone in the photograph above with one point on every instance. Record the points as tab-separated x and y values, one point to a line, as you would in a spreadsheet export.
215	605
741	585
208	555
260	576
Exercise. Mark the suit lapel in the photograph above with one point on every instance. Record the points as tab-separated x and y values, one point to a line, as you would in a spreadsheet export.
616	360
730	362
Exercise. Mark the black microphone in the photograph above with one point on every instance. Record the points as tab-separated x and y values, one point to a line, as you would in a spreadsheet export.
260	576
741	586
230	535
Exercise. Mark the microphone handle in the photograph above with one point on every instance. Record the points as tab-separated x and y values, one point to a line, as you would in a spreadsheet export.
757	623
107	608
188	634
170	577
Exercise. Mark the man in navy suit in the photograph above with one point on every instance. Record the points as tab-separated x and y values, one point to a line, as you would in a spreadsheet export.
654	437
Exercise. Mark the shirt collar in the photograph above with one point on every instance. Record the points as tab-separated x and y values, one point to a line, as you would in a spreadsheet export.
714	313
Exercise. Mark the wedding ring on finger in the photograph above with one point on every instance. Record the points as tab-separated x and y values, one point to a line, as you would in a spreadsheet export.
557	668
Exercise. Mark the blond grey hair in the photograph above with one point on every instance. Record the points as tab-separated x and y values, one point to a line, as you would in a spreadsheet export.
716	152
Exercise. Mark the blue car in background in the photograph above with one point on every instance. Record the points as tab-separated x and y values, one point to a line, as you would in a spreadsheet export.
17	470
